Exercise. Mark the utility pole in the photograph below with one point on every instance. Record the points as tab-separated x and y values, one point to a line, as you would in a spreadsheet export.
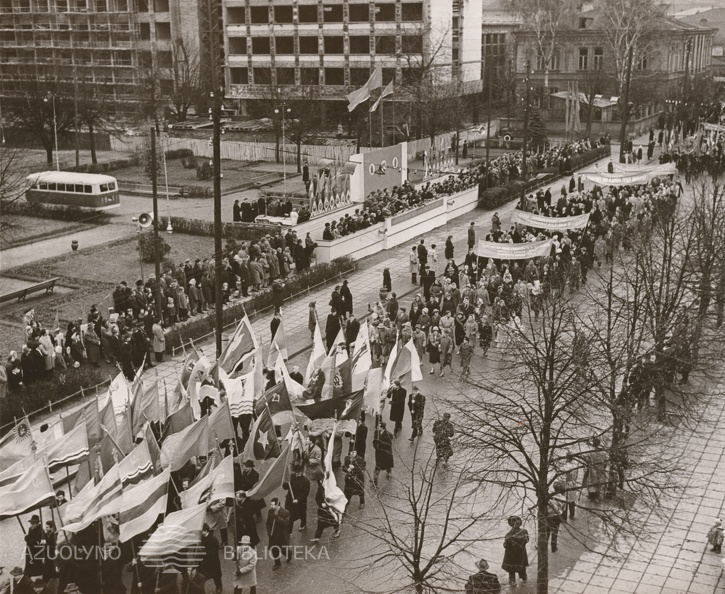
488	119
524	168
157	247
625	105
76	139
216	142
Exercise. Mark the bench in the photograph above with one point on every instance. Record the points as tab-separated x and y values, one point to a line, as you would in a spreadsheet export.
21	294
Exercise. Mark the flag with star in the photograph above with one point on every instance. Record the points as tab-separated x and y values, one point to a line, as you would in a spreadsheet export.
277	400
262	443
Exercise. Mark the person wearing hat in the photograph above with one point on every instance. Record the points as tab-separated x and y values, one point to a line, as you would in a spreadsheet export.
397	395
483	582
19	582
515	558
34	548
298	489
210	566
278	519
39	587
250	477
246	573
244	509
715	536
296	375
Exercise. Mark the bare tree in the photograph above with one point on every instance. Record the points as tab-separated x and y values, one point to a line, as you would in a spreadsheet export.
187	91
96	107
593	82
12	183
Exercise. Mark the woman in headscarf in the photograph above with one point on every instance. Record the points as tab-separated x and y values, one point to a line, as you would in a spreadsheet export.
93	346
433	348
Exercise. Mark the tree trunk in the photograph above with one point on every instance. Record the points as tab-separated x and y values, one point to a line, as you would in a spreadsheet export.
625	107
276	148
542	544
299	155
49	154
590	117
92	142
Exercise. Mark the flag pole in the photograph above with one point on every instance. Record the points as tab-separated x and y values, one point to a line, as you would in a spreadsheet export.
382	128
370	122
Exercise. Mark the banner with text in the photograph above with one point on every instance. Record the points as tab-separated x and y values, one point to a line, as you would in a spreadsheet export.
514	251
553	223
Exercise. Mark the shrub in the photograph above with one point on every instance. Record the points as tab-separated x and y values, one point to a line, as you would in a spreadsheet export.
205	170
322	273
188	162
36	397
182	153
146	247
195	192
241	231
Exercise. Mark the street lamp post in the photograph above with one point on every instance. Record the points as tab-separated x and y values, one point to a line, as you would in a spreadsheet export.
55	129
283	109
524	167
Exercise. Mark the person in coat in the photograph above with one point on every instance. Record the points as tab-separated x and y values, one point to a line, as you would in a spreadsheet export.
595	470
244	510
34	548
14	372
316	469
246	573
346	296
442	433
278	519
354	469
332	328
93	346
715	536
361	436
159	341
19	583
433	348
210	566
312	318
466	352
383	445
515	558
482	582
416	405
298	489
414	266
396	395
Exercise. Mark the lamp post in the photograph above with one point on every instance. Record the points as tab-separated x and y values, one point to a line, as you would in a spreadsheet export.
282	109
50	98
524	167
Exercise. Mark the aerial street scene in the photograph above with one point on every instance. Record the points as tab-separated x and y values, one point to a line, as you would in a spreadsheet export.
362	296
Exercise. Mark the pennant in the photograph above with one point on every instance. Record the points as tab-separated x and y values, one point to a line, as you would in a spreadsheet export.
342	408
237	355
216	486
118	393
373	390
30	491
154	449
262	443
220	425
278	402
179	530
294	389
189	362
93	502
141	506
363	93
137	466
388	90
272	480
278	347
317	356
145	405
179	420
334	496
362	360
71	448
179	447
199	371
17	444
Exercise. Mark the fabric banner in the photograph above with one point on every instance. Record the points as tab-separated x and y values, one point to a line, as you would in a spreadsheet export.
30	491
630	178
514	251
552	223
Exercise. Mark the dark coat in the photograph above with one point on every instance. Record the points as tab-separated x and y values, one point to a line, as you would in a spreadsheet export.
211	565
299	490
397	398
346	299
277	522
483	582
515	557
336	303
332	328
361	439
383	444
246	524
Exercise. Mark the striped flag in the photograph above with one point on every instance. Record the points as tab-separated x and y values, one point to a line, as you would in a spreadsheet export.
362	94
93	502
88	413
179	447
220	425
137	465
388	90
145	405
30	491
216	486
17	444
154	449
240	393
12	473
278	348
180	530
237	355
69	449
142	505
179	420
272	480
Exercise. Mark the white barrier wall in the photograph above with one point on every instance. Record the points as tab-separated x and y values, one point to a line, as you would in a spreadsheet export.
399	229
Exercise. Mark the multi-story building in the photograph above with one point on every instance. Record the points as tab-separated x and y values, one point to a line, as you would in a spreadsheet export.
322	50
114	43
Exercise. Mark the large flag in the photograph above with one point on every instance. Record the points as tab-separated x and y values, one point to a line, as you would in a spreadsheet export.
362	360
272	480
334	497
179	447
220	425
342	408
277	399
154	449
69	449
93	502
89	414
363	93
180	530
294	389
137	465
189	361
30	491
240	393
179	420
373	390
216	486
142	505
405	361
198	373
262	443
278	347
17	444
388	90
237	355
318	354
12	473
338	372
145	404
119	393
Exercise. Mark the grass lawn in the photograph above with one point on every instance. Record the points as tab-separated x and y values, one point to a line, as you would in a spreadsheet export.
27	228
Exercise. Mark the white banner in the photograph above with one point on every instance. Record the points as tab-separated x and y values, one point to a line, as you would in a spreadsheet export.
553	223
514	251
630	177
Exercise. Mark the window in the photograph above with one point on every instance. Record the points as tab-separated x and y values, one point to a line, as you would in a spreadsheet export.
307	14
141	5
239	76
582	23
359	13
260	45
310	76
284	45
78	188
641	63
259	14
411	76
359	44
583	58
412	44
87	189
236	15
102	7
385	12
163	30
388	75
161	5
145	31
553	61
385	44
165	60
359	76
52	187
111	186
262	76
237	46
598	58
412	12
308	45
333	45
334	76
493	51
42	186
61	187
282	14
285	76
332	13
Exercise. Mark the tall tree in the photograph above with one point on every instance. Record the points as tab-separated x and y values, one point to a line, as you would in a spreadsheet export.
187	91
96	109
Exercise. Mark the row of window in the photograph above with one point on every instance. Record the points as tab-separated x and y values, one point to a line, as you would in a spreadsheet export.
311	76
359	44
83	5
75	188
597	63
331	13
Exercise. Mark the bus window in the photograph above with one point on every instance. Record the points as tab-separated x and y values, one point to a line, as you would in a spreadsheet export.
43	186
104	187
52	187
61	187
88	189
78	188
112	186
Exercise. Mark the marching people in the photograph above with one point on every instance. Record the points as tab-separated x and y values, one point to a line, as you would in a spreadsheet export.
298	489
715	536
442	434
246	572
325	518
354	469
416	405
210	567
397	394
277	530
383	445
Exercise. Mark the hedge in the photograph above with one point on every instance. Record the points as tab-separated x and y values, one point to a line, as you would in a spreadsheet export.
36	396
320	274
243	231
71	214
495	197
